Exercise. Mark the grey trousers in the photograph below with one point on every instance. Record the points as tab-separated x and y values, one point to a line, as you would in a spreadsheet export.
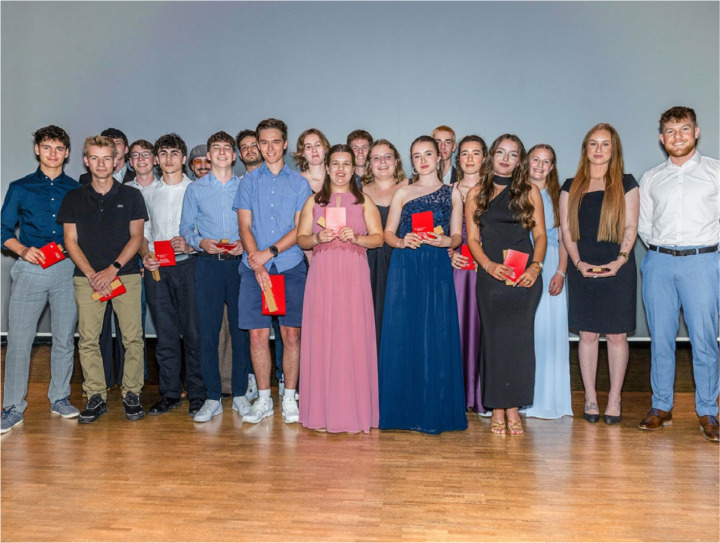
31	290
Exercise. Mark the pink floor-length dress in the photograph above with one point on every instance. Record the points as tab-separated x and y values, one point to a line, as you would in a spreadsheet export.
338	352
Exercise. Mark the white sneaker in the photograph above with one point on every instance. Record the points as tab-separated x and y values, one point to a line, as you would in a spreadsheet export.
281	386
252	390
241	404
290	410
262	408
297	395
208	410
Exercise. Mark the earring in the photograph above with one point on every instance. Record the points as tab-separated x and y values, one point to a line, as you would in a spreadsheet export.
414	171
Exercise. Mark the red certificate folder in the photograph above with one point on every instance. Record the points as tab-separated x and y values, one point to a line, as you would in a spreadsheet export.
225	244
53	254
335	218
465	251
117	289
273	300
164	253
517	261
422	223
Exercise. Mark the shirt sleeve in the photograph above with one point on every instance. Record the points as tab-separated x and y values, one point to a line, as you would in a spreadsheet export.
188	218
10	215
242	196
566	185
646	209
148	223
66	213
629	182
303	194
139	207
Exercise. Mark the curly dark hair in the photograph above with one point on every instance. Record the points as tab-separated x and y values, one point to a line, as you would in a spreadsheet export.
52	132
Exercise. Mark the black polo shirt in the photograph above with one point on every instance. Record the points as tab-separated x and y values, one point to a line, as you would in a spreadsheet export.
103	223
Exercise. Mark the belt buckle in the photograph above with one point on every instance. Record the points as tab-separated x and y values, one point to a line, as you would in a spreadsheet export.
676	252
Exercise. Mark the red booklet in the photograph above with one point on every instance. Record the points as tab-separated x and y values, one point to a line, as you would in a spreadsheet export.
225	244
465	251
517	261
422	223
117	289
53	254
335	218
273	300
164	253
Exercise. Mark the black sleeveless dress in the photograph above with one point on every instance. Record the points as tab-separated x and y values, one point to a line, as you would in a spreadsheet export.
507	344
379	262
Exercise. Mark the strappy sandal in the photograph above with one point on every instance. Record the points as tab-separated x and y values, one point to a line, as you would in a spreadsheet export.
515	428
498	428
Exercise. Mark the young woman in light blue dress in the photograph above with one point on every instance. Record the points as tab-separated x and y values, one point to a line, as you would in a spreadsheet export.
552	351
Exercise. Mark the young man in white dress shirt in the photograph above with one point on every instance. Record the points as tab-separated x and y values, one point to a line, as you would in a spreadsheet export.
172	298
447	143
680	224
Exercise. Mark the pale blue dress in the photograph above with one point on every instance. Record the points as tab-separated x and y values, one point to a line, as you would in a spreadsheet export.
552	349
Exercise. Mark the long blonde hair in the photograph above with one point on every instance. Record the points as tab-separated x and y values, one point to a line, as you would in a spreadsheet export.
612	213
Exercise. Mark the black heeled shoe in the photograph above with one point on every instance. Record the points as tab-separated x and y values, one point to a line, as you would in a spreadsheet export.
591	417
611	419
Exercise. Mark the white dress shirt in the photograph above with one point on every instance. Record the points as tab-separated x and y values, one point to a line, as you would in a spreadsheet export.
164	205
680	205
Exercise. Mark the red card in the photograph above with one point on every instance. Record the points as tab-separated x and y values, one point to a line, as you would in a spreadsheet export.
277	291
53	254
422	223
465	251
164	253
225	246
335	218
117	289
517	260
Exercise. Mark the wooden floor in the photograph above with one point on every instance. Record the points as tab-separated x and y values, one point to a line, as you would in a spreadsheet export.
169	479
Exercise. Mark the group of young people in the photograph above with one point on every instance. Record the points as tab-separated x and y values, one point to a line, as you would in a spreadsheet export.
386	322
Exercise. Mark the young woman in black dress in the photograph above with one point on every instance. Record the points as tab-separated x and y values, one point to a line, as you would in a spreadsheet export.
504	208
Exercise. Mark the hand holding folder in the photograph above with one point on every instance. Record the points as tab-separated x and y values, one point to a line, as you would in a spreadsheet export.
517	261
117	289
273	299
53	254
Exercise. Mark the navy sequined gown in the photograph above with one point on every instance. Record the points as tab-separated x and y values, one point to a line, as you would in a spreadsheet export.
421	374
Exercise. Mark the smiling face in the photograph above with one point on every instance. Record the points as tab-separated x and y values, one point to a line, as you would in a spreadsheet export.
200	166
540	164
170	160
100	161
471	157
360	148
341	170
599	148
425	157
142	160
313	150
383	162
506	158
272	146
249	151
679	137
51	153
446	143
221	154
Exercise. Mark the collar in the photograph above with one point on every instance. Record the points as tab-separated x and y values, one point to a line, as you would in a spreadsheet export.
41	175
95	195
264	170
694	161
162	184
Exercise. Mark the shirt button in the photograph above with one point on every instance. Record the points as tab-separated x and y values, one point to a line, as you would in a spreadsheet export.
52	199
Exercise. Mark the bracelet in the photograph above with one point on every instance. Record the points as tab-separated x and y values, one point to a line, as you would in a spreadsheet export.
624	255
486	266
561	273
577	264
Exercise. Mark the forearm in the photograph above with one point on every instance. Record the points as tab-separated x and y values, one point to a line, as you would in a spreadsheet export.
248	240
539	248
14	245
78	257
306	241
287	241
563	259
371	241
131	249
144	247
392	240
455	241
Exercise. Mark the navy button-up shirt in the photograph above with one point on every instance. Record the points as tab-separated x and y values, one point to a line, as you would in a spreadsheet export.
33	203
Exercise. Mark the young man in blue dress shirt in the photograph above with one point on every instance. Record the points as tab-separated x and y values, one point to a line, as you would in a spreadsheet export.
31	204
268	203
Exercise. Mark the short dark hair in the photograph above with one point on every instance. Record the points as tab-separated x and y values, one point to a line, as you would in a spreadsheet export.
677	113
359	135
115	133
170	141
143	144
220	136
244	134
52	132
277	124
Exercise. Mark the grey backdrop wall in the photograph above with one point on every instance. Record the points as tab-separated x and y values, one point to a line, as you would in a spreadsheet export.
547	71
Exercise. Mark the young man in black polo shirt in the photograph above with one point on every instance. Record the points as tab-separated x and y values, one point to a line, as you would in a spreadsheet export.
103	226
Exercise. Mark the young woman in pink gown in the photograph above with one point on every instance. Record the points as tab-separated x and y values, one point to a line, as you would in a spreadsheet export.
338	353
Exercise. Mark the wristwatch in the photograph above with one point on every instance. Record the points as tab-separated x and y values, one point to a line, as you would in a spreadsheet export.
273	251
538	264
117	264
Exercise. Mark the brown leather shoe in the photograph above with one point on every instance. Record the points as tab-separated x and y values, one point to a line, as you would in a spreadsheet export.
709	427
656	419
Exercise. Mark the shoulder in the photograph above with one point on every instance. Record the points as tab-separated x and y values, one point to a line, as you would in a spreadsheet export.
648	176
712	163
629	182
567	184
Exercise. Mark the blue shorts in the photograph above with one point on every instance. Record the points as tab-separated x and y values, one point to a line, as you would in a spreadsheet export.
250	315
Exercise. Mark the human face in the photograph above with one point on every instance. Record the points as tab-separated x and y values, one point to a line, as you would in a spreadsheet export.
424	158
341	171
360	148
382	162
249	152
100	161
142	160
51	153
121	151
446	143
679	138
171	160
506	158
599	148
200	166
221	154
313	150
541	164
272	146
471	157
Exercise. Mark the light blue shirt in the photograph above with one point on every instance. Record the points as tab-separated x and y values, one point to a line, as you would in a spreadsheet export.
207	211
273	201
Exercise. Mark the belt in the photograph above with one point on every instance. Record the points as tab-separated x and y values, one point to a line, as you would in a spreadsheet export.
684	252
220	256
